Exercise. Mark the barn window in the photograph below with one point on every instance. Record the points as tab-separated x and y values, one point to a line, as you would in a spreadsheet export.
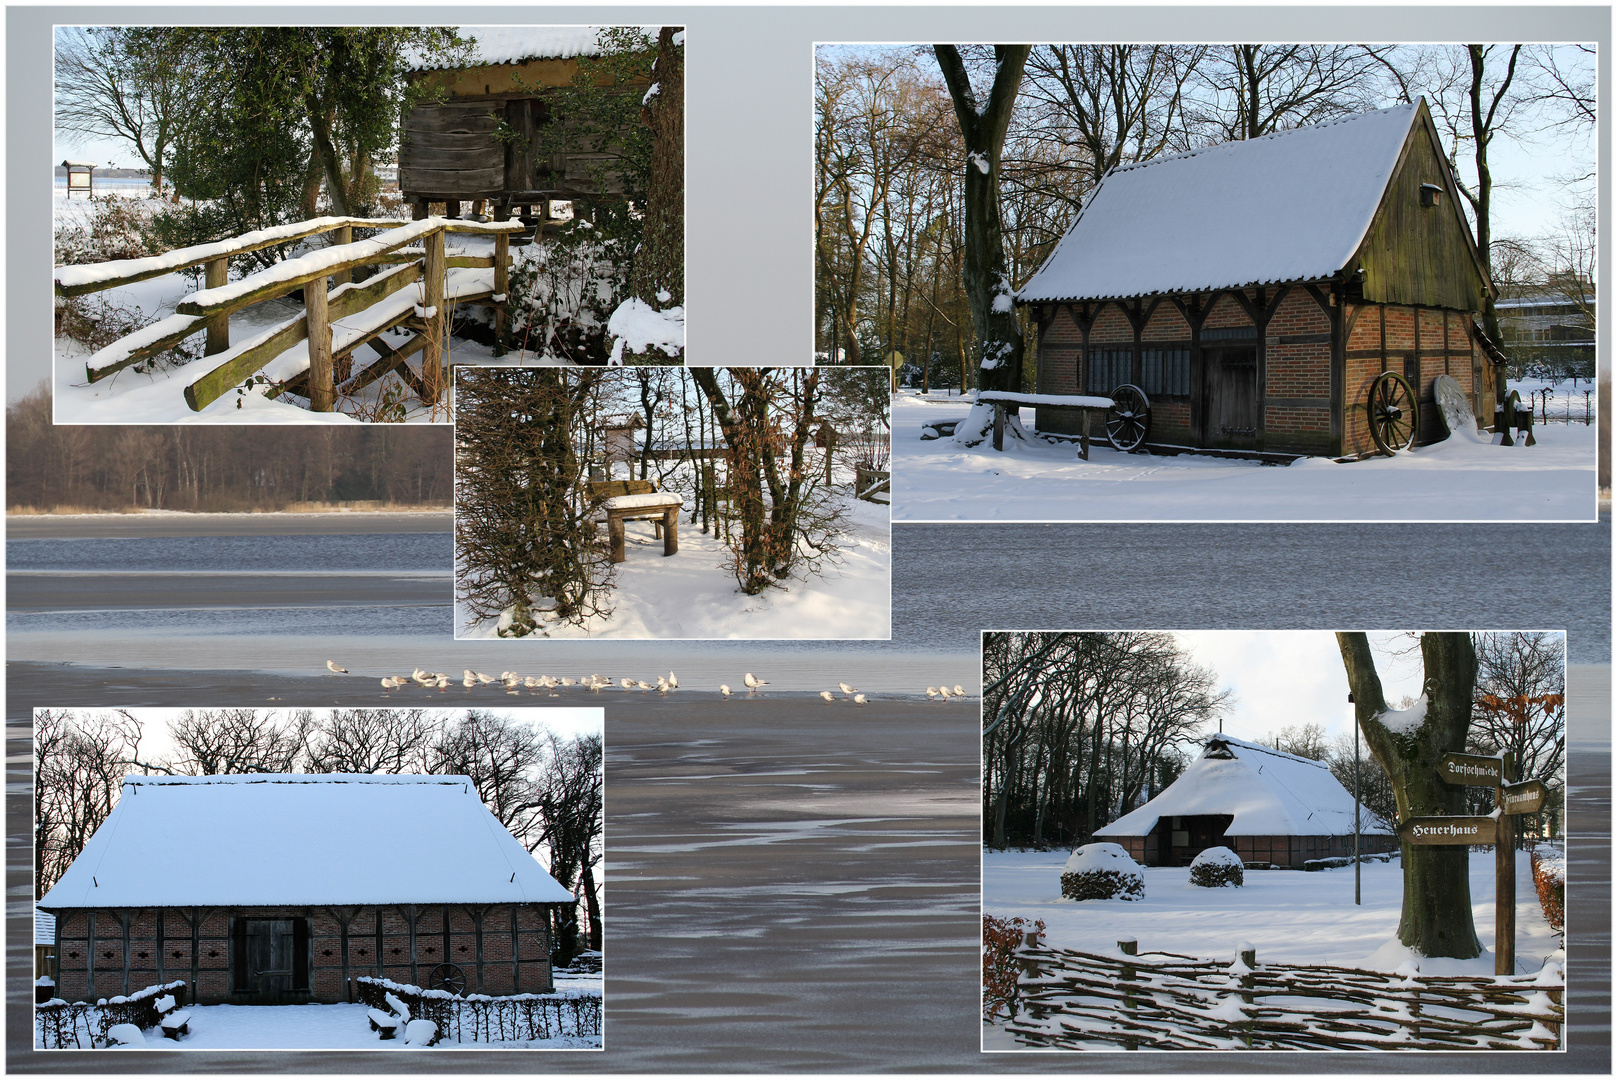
1165	372
1108	368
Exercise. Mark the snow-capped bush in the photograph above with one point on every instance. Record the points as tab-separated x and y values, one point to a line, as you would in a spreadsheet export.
1217	868
564	290
1102	872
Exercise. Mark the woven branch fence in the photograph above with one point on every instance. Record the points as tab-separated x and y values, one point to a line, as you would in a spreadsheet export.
82	1026
1165	1001
480	1018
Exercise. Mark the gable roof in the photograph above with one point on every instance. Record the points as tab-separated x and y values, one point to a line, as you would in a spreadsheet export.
1268	792
282	839
1294	205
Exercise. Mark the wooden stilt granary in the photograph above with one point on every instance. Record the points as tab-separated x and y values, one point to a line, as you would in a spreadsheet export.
1274	295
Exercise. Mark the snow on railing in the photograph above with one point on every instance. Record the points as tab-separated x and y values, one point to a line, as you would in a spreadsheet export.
486	1018
1167	1001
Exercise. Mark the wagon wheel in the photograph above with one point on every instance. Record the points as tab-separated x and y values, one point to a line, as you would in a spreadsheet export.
1393	413
1129	418
1513	409
447	977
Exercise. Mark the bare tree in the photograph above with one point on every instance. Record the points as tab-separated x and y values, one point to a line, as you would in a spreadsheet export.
571	820
370	741
131	84
658	276
1253	90
228	742
1436	918
80	760
1520	706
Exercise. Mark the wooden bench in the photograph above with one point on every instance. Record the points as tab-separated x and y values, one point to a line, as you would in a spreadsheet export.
385	1023
177	1024
1083	404
637	500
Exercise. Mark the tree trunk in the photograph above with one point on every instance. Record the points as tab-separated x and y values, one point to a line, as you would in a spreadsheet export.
985	276
658	276
1436	918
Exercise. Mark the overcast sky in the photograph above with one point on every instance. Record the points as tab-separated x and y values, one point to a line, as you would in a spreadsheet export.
1287	678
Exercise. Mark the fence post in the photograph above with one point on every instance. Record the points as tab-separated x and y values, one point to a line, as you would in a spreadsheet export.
1129	947
216	276
1249	960
344	235
322	394
502	285
432	299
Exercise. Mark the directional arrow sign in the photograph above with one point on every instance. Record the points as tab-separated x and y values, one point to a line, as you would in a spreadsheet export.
1525	798
1470	769
1449	830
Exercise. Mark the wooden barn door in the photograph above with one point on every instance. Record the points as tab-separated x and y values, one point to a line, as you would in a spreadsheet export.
1230	398
272	960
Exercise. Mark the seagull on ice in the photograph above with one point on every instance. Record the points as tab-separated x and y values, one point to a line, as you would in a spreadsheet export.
388	683
336	668
643	684
959	691
943	692
469	681
673	683
627	684
848	691
753	684
859	699
828	695
931	691
484	679
724	689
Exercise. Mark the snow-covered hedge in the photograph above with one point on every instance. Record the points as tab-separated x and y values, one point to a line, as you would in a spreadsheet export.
1217	868
481	1018
80	1025
1102	872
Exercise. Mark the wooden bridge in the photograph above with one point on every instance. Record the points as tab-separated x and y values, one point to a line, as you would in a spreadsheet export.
415	290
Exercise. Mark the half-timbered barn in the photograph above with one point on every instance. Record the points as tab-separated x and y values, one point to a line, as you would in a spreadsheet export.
475	135
1257	290
1266	806
281	889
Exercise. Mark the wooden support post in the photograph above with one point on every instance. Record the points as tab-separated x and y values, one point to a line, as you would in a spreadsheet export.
1504	896
322	389
452	208
344	235
999	425
432	299
1129	947
671	531
418	209
1249	958
502	286
216	276
614	531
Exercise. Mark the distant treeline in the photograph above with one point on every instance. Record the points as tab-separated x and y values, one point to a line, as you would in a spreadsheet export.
219	468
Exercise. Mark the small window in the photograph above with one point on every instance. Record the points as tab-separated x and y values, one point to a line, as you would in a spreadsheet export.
1165	372
1108	368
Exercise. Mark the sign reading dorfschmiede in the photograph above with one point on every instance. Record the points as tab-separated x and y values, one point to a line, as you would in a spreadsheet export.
1450	830
1470	769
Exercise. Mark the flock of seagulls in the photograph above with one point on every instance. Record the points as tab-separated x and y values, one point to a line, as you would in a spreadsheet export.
515	683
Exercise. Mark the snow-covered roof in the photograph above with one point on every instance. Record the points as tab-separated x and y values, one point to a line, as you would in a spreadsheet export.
300	839
44	928
1291	206
1268	792
514	44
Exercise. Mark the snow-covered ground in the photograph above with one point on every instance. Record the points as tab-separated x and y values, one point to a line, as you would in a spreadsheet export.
1289	916
130	397
692	595
1455	480
317	1027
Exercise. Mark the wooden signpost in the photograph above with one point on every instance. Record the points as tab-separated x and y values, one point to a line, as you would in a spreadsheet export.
1497	829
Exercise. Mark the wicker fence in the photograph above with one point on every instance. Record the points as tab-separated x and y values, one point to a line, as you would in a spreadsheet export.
480	1018
60	1025
1165	1001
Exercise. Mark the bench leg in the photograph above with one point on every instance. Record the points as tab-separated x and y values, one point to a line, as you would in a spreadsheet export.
999	426
1083	446
614	529
670	532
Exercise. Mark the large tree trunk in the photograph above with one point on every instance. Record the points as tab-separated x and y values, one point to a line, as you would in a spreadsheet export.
659	267
1436	918
1482	132
985	276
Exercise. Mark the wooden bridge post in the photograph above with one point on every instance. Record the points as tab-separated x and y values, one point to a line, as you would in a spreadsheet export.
502	285
216	276
432	299
342	236
1129	947
322	391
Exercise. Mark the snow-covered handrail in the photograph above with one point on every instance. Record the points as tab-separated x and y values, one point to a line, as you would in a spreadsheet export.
1080	401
